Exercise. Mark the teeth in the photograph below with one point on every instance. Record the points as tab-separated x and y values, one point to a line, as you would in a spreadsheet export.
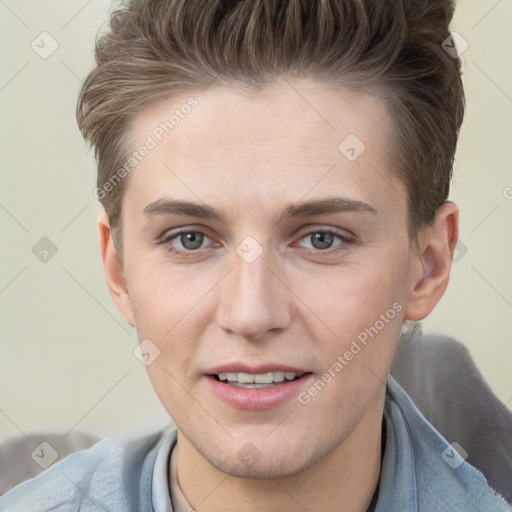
258	378
278	376
246	378
263	378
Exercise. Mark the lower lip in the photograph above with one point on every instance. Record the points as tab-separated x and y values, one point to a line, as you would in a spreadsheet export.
257	399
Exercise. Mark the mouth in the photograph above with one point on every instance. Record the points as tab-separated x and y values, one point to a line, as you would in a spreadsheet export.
257	380
258	389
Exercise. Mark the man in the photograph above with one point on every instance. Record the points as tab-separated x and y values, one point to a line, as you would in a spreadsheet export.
275	179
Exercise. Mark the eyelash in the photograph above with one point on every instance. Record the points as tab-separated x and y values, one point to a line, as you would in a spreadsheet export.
345	244
176	234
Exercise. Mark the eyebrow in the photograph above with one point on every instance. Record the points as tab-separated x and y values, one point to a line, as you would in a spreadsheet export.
305	209
327	206
170	207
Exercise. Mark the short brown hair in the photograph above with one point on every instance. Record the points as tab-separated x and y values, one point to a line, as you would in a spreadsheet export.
158	48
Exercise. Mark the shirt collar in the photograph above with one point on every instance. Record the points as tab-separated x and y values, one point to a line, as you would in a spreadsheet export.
160	495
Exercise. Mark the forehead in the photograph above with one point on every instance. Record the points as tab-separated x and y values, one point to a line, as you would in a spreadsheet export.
289	140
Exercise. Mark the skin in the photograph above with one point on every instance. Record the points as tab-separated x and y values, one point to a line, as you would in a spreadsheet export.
250	156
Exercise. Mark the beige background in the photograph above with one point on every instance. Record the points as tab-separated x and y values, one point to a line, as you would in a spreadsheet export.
67	360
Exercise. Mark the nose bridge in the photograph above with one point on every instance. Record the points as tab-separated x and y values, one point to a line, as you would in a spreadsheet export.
252	302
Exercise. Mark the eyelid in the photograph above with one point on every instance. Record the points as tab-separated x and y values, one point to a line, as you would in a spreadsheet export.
346	244
344	234
169	234
177	235
344	238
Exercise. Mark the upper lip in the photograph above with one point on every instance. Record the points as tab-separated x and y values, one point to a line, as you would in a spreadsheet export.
254	369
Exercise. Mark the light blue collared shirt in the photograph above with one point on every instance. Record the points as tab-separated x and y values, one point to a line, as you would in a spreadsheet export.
421	472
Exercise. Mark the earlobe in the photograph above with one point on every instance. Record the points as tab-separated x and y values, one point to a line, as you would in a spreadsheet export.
114	271
434	262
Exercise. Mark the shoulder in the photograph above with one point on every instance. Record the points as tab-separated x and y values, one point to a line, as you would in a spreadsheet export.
438	476
441	378
111	474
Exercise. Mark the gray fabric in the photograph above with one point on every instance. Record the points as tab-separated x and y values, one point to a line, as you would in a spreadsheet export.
417	475
114	475
21	457
439	375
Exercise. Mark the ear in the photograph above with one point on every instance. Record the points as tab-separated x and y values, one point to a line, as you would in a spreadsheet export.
435	253
114	271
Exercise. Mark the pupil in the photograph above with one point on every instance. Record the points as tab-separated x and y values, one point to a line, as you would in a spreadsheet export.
322	240
192	240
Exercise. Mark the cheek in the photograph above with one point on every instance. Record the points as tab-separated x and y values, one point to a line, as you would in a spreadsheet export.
361	313
354	297
171	319
364	323
162	296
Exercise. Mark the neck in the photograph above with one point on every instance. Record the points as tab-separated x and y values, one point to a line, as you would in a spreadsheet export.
345	480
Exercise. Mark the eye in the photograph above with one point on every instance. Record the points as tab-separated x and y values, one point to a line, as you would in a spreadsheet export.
184	243
323	240
191	240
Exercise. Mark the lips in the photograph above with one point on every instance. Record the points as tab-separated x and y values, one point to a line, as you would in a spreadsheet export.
257	387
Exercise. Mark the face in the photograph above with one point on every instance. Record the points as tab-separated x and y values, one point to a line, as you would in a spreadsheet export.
266	256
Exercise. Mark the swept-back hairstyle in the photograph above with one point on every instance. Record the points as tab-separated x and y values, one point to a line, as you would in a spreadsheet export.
155	49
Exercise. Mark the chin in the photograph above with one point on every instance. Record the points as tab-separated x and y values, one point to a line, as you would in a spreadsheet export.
279	467
262	459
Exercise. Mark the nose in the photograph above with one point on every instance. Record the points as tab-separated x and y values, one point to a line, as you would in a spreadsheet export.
253	300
